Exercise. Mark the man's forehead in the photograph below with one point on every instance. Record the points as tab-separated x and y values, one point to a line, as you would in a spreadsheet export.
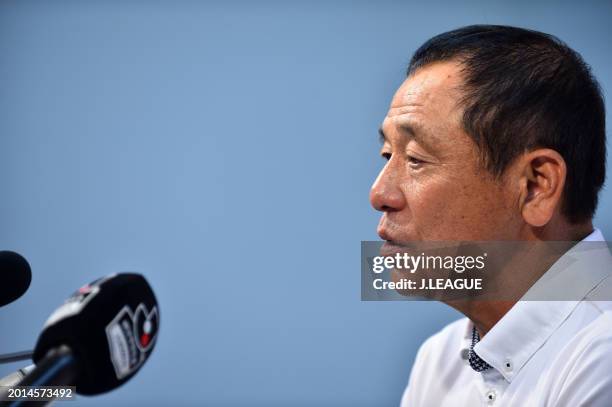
425	105
433	86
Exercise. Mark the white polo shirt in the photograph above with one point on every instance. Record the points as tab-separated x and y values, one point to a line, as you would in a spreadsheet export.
542	353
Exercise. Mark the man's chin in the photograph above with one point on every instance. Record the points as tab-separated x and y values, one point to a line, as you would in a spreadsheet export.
402	276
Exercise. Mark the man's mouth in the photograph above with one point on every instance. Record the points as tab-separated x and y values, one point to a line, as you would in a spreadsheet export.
391	248
384	233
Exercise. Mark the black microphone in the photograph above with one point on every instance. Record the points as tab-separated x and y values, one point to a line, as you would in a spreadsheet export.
15	356
15	276
99	338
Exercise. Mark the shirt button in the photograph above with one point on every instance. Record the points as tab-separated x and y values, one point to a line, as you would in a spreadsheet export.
508	365
465	354
491	396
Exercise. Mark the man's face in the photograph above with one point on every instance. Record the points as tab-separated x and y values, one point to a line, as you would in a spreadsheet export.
433	186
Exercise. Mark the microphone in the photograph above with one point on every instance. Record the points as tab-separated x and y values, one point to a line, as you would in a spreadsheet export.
15	275
14	378
99	338
15	356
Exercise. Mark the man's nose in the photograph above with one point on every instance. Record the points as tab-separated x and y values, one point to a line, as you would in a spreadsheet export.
386	194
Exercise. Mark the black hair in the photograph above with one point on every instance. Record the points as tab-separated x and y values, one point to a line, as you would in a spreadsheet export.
523	89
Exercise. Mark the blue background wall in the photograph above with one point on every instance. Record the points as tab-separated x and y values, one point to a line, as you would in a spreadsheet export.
226	150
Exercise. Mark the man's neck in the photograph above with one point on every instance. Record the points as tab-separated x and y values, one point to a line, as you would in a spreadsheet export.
559	231
486	313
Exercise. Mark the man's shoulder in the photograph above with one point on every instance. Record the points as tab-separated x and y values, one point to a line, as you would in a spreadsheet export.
582	368
599	331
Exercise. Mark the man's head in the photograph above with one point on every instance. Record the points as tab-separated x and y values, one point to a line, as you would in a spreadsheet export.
497	133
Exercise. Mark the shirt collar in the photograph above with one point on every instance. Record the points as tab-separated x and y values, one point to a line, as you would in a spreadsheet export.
516	337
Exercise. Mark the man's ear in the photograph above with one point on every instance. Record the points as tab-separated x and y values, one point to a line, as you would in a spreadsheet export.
542	175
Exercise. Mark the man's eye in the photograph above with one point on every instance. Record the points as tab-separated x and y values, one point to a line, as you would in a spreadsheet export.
386	156
415	162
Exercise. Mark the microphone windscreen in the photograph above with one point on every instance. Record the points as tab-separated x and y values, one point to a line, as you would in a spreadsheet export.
15	275
111	326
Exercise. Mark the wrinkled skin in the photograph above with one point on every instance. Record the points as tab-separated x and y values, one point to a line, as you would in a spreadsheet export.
434	186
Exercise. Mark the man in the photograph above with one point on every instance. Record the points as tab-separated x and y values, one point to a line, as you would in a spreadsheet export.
498	133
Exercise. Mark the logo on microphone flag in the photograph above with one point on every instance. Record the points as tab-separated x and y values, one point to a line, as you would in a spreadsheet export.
131	334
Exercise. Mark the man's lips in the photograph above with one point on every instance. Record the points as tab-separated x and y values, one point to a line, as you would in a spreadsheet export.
384	230
385	234
391	231
398	230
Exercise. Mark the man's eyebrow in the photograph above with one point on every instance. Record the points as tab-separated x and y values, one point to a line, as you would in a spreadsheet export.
408	130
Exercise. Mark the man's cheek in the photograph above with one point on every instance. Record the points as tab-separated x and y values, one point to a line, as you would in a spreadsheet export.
432	204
